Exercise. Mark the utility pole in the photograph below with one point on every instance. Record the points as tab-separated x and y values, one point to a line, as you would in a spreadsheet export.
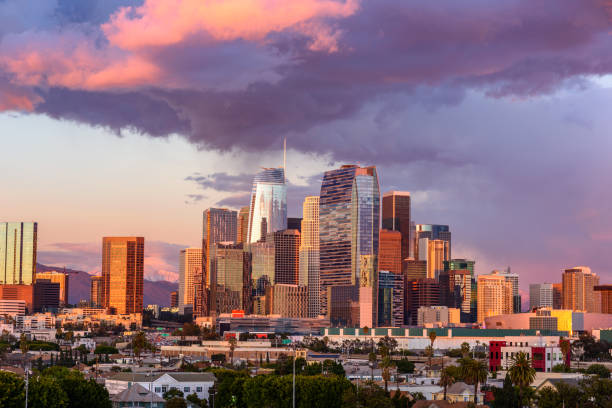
294	357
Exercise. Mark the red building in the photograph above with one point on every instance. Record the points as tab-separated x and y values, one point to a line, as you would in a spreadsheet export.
495	354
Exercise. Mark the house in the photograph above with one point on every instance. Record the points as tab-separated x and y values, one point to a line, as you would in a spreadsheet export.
188	383
459	392
552	382
137	396
443	404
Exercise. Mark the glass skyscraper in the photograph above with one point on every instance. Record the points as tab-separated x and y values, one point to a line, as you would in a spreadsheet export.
434	231
268	208
396	217
349	220
18	252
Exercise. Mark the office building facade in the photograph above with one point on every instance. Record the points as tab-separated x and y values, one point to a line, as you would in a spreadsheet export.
96	293
396	217
579	290
243	225
434	252
390	251
309	254
286	256
605	293
421	292
46	296
122	272
494	296
390	299
63	279
287	300
268	207
230	270
190	266
459	264
18	245
540	295
433	232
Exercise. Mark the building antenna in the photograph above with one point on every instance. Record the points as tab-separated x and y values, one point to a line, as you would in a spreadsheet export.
285	159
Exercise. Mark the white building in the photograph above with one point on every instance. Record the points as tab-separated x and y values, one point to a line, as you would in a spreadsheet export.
545	354
39	321
12	308
188	383
540	295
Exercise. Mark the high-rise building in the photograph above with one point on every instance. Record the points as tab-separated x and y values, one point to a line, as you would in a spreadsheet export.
557	295
286	256
390	251
263	269
343	304
461	265
434	252
578	290
434	232
57	277
349	219
230	270
456	291
123	270
18	242
219	225
513	278
287	300
606	297
243	225
421	292
190	266
294	223
96	294
413	269
174	295
396	217
390	299
309	254
46	295
19	292
540	295
268	208
494	296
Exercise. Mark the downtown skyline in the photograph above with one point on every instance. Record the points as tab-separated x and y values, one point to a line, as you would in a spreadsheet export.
518	174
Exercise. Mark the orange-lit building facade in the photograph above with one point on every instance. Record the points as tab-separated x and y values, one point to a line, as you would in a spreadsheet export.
19	292
390	251
578	290
122	272
57	277
606	297
396	217
286	256
96	292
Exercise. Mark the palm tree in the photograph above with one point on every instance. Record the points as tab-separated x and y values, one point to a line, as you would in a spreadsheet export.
446	380
432	338
386	365
232	346
474	372
465	349
521	373
372	361
565	349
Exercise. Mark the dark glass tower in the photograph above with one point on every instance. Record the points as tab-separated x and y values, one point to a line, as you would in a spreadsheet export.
396	216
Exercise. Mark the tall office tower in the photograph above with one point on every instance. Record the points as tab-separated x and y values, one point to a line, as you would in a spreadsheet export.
390	299
96	294
557	295
412	249
243	225
513	278
46	295
286	256
287	300
228	277
349	219
57	277
396	217
18	252
465	264
578	290
414	269
122	270
190	266
606	297
433	232
220	225
421	292
390	251
174	296
456	291
268	204
262	272
494	296
434	252
540	295
309	254
294	223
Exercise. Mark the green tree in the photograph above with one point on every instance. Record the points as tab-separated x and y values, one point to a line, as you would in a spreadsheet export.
446	380
560	368
465	349
404	366
369	395
80	391
432	339
386	365
389	342
140	343
474	372
507	396
193	398
232	346
46	392
172	393
176	402
12	390
372	362
521	373
105	349
598	369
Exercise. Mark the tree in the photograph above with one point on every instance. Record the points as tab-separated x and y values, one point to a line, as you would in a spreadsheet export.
12	390
193	398
598	369
404	366
521	373
173	393
474	372
432	338
507	396
46	392
105	349
560	368
369	395
232	346
389	342
80	391
386	364
465	349
446	380
566	348
176	402
372	362
140	343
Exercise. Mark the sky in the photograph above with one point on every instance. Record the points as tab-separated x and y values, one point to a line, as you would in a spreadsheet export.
132	117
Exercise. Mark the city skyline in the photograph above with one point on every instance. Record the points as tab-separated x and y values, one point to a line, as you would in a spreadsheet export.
502	144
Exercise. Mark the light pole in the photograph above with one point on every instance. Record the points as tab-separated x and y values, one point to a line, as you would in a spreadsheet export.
294	358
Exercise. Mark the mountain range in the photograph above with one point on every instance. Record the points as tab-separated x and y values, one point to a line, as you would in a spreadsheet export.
79	284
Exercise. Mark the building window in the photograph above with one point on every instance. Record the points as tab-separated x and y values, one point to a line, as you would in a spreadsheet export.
164	388
158	389
198	389
186	389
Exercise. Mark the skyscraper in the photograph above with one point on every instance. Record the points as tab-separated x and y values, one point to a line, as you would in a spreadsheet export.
557	295
18	242
390	251
96	294
228	277
286	256
494	296
513	278
268	208
434	252
540	295
57	277
190	266
465	264
349	219
456	291
435	232
287	300
262	270
396	217
219	225
122	270
309	254
578	290
174	298
606	297
243	225
421	292
390	299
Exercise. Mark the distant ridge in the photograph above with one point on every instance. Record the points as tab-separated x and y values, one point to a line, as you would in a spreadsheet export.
155	292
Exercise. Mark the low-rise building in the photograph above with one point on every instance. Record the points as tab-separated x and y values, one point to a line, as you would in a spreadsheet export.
459	392
12	308
544	355
441	316
137	396
159	383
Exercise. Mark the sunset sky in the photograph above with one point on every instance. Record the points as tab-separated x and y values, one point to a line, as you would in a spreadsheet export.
131	117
